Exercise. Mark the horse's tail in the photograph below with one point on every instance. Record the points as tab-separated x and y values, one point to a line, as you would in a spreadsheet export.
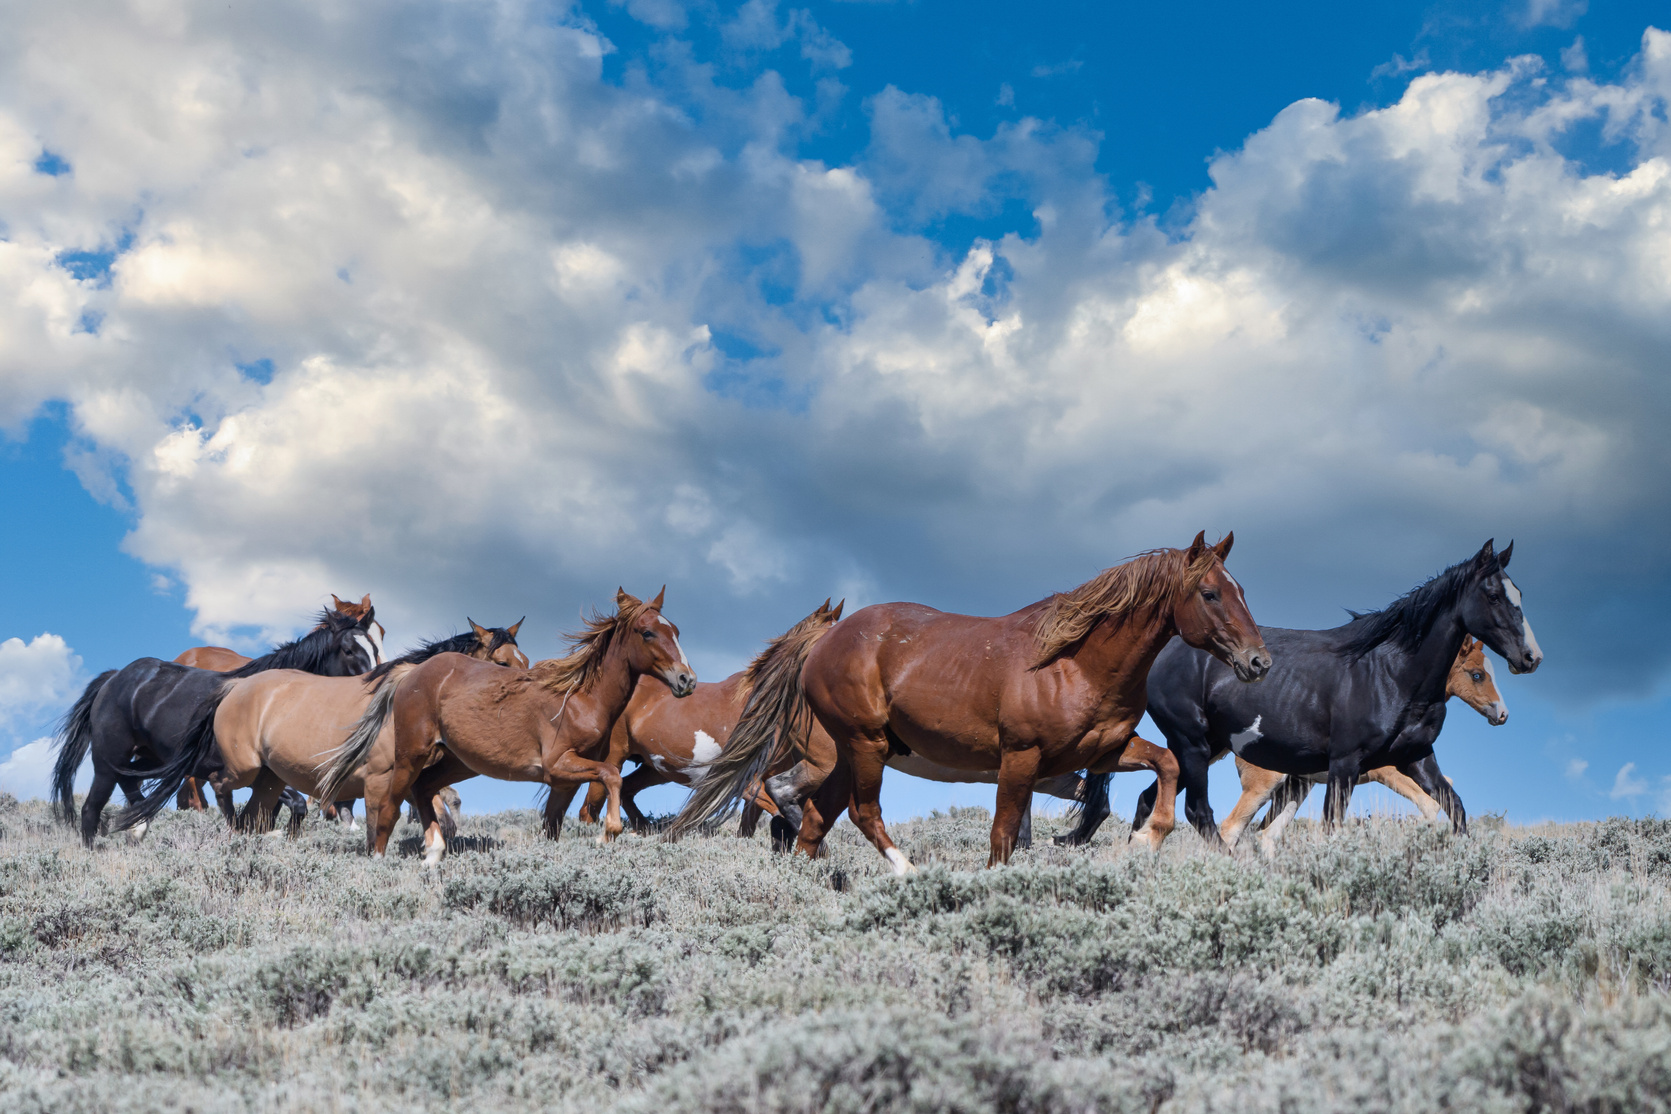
773	725
75	739
195	747
1089	809
341	763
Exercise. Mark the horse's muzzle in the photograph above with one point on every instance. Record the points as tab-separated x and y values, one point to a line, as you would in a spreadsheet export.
1251	664
1498	716
681	681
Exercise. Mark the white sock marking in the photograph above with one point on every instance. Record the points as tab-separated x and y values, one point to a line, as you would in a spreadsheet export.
901	864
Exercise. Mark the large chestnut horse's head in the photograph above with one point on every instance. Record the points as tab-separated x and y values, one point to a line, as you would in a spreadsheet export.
1211	614
651	642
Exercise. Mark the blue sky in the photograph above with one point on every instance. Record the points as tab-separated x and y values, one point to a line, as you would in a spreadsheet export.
487	310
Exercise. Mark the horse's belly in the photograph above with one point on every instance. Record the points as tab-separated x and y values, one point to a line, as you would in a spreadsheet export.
918	766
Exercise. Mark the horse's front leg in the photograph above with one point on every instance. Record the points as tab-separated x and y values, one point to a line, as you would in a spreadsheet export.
1344	771
565	774
1258	784
1017	771
1140	754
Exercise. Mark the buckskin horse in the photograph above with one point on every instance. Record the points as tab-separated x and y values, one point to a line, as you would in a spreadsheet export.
219	659
274	729
453	718
1341	701
153	711
1055	687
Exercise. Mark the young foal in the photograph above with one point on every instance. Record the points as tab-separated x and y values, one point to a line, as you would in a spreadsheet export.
452	718
1050	689
1470	679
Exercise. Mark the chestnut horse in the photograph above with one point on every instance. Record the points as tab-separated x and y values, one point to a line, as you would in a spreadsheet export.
275	729
452	718
673	740
219	659
1055	687
1471	679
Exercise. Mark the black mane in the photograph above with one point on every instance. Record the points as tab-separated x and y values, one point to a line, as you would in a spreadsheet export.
311	653
1407	620
457	644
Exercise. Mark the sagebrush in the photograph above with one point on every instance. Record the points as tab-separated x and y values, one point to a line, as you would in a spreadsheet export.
1387	967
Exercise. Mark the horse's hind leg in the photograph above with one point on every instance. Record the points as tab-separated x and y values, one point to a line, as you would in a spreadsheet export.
1343	778
867	757
1425	772
263	802
634	783
1405	787
131	790
819	814
430	806
92	809
298	807
1257	786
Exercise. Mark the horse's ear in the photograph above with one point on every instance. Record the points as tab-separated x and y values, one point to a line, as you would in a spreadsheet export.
1197	546
1468	645
514	627
365	600
1486	555
625	599
1223	547
338	605
835	616
824	608
483	635
1503	557
661	595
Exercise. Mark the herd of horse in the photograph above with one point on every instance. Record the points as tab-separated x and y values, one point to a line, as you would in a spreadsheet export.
1045	699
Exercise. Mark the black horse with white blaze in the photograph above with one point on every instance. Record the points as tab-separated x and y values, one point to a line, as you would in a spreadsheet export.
1341	701
140	717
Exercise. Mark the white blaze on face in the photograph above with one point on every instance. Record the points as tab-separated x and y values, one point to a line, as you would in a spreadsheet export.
369	648
1242	738
1512	594
683	664
1490	671
374	635
704	752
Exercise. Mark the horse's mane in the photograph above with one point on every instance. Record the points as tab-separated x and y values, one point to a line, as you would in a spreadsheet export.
576	670
1406	621
1142	581
455	644
308	653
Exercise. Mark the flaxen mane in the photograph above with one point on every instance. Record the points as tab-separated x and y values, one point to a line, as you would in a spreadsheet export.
1143	581
576	670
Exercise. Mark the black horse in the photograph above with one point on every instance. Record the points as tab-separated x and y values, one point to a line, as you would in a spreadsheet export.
139	717
1341	701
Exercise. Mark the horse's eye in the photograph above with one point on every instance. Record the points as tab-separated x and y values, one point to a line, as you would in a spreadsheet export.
1209	595
1477	677
647	635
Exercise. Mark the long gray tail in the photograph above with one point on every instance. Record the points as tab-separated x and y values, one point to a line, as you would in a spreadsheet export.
75	739
341	763
165	781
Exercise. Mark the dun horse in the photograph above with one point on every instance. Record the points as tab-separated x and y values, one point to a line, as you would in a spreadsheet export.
219	659
1055	687
452	718
1342	701
153	711
275	729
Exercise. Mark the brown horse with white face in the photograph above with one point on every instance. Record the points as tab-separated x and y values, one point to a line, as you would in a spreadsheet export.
1055	687
1471	680
453	718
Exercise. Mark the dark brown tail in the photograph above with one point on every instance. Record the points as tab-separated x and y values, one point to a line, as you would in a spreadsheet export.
773	724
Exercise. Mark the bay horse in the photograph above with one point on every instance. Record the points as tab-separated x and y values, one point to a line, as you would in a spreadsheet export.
1055	687
220	659
1471	680
274	729
153	711
453	718
1366	694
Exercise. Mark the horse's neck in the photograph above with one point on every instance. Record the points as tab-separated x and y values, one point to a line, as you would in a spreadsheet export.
611	689
1423	673
1117	654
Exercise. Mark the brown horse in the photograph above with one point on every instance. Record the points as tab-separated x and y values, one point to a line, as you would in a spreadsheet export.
1055	687
674	740
277	728
1470	678
219	659
452	718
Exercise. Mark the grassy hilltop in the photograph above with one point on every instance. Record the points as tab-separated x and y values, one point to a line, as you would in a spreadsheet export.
1388	968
